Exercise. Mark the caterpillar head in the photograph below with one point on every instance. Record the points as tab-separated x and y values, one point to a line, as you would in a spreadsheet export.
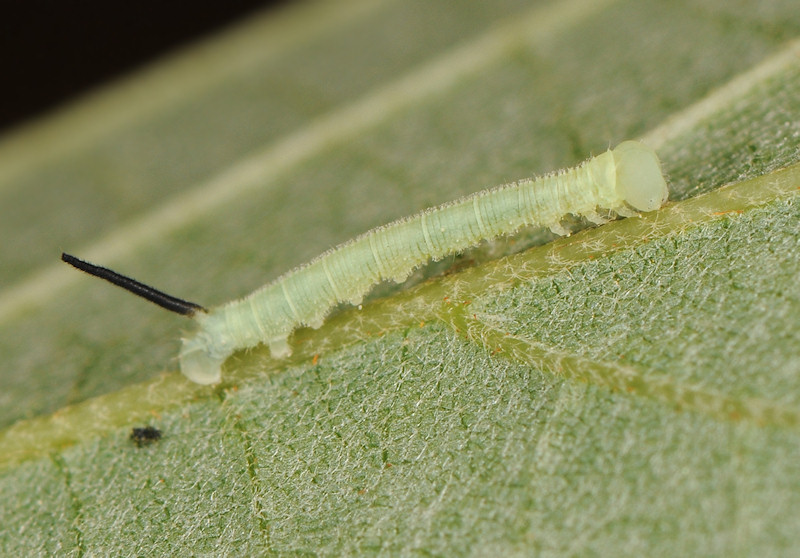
639	179
198	363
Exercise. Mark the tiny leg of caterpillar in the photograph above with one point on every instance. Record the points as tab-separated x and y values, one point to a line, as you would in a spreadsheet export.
559	229
595	218
623	211
279	347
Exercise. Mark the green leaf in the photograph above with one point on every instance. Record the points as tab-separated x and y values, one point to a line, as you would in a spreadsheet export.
628	390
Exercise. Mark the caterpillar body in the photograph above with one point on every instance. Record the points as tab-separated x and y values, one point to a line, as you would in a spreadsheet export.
626	180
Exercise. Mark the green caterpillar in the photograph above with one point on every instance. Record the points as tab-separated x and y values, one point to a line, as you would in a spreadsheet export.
626	180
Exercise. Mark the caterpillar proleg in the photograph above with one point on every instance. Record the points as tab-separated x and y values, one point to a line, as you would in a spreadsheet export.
625	180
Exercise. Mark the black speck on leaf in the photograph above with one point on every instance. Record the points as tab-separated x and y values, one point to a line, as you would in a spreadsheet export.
145	436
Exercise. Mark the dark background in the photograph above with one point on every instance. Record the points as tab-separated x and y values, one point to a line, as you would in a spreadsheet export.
52	51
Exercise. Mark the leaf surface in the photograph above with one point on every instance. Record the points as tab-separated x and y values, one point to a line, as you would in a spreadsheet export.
630	389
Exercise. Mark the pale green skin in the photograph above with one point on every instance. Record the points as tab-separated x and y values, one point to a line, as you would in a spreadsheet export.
625	180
